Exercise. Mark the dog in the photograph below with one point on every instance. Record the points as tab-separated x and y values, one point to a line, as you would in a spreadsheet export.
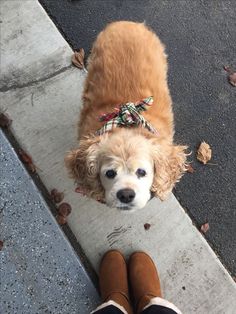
126	152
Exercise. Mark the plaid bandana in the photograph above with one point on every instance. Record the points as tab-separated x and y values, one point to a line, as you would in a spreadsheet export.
127	115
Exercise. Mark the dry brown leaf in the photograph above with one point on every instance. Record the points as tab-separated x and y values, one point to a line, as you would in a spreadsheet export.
32	168
5	121
147	226
232	79
189	168
232	75
61	220
205	227
227	69
27	159
64	209
56	196
1	245
80	190
78	59
204	153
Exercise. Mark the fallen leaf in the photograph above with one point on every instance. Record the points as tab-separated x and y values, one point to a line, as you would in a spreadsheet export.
27	159
5	121
1	245
205	227
227	69
32	168
147	226
57	196
189	168
61	220
204	153
232	79
78	59
80	190
64	209
232	75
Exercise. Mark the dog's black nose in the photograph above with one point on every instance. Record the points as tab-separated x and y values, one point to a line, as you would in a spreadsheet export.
125	195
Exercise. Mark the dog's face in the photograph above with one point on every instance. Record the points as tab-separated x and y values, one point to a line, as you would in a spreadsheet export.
127	183
124	167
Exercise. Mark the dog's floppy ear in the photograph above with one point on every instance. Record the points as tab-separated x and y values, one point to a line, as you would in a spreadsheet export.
169	166
83	166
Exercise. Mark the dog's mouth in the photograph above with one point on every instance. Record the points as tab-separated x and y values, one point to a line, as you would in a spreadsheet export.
125	207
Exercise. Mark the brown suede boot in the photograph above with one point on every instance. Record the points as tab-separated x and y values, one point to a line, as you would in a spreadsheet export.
144	279
113	279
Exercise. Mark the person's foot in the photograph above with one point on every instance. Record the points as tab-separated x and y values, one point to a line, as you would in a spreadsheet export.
144	279
113	279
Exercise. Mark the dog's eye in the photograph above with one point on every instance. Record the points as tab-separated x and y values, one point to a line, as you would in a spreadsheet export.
141	173
111	174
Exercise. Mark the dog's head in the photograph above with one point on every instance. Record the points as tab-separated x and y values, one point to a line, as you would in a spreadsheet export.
125	167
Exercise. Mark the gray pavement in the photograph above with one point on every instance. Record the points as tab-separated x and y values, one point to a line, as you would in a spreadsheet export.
200	38
40	272
45	113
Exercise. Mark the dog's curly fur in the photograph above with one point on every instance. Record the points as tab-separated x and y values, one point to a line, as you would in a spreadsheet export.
127	63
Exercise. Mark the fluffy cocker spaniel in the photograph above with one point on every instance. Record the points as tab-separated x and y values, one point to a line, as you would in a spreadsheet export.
126	151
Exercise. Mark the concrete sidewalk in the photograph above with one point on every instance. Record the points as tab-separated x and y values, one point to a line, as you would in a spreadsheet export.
41	92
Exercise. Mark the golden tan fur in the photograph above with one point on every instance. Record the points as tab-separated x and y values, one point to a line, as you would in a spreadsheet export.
127	63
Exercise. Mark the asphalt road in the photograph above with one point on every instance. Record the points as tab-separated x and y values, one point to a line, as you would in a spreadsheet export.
200	39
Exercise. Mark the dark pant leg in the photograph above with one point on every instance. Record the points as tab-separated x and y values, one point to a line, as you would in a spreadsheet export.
158	309
110	309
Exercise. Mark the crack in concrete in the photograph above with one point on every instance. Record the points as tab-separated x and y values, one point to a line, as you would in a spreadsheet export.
16	86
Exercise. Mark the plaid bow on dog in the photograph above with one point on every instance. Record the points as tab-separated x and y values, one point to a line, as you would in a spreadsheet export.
127	115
